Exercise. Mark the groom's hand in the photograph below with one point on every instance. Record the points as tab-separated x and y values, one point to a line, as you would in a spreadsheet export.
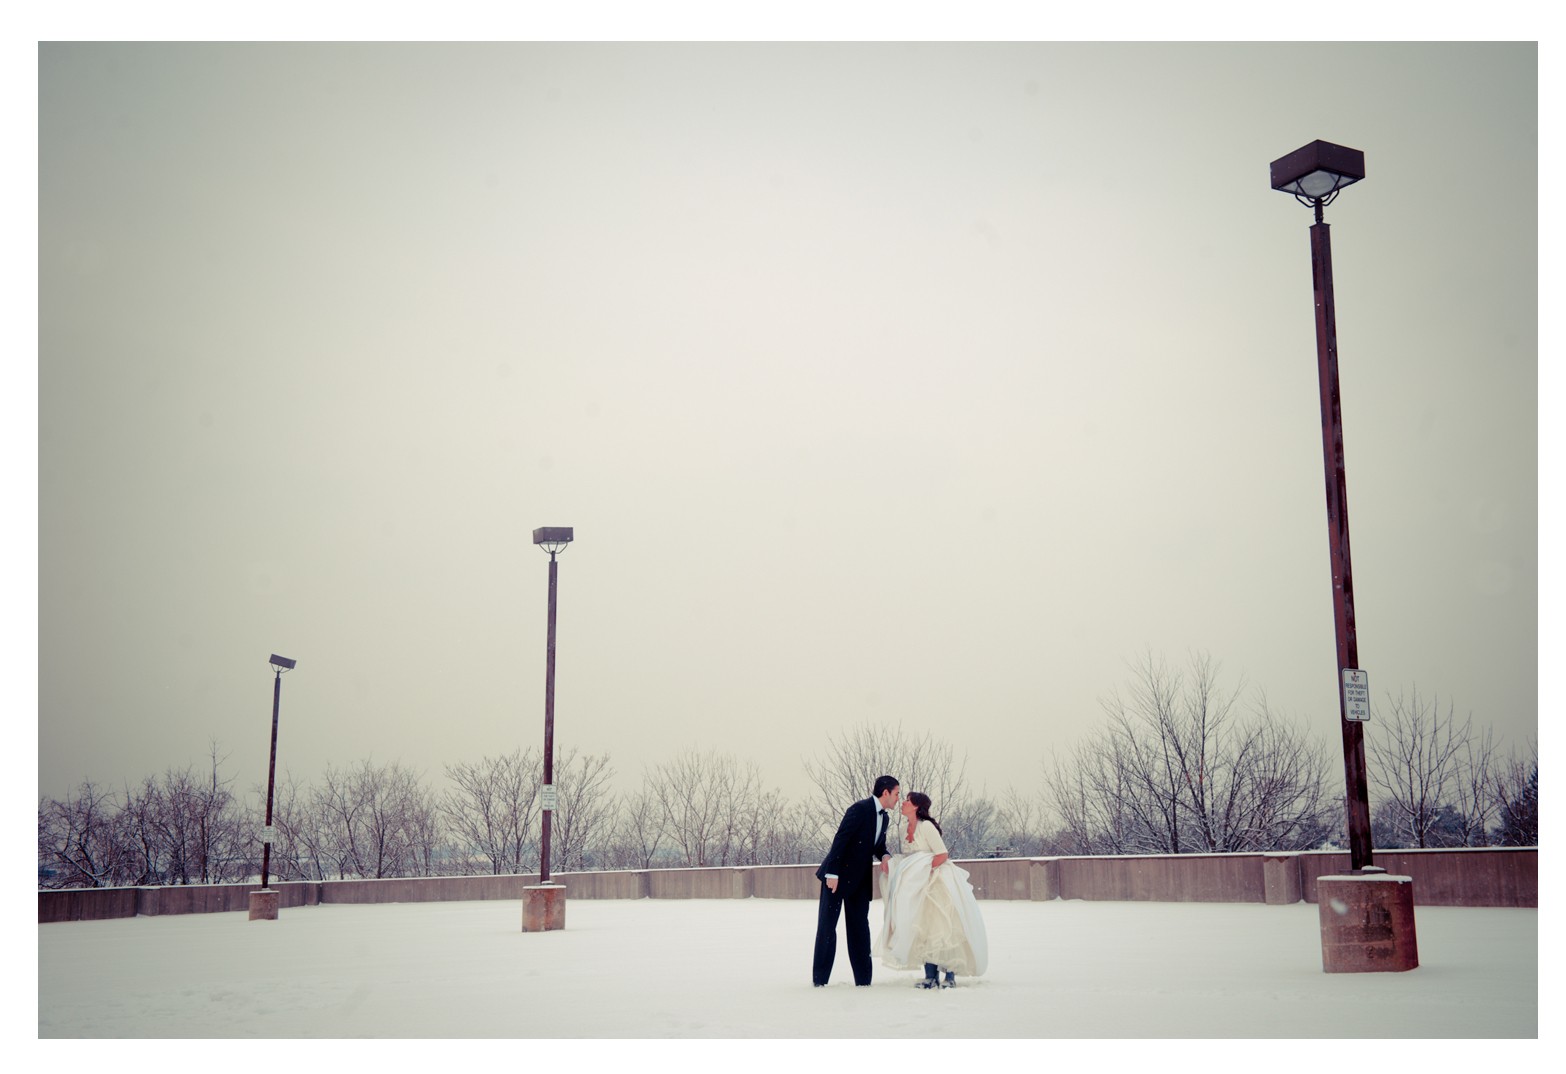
831	883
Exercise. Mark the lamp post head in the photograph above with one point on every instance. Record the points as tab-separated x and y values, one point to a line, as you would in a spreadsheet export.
1315	173
552	539
282	663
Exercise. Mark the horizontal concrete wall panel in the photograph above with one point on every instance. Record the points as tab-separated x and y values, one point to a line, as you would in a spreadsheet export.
94	903
426	889
1165	878
206	899
85	904
713	883
1461	877
785	882
631	884
1000	878
1474	876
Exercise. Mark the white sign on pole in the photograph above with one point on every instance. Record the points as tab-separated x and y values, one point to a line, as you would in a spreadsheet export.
1356	695
551	799
268	833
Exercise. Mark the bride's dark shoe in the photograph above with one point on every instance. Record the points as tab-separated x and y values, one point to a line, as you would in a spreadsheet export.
950	982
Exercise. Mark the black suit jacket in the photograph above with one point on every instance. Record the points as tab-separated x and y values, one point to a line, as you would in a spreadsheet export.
855	850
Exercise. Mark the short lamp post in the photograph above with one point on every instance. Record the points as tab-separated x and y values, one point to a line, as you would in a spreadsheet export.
1367	924
544	905
263	903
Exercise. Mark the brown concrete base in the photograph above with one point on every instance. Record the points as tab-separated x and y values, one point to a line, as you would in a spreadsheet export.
1367	923
263	905
543	907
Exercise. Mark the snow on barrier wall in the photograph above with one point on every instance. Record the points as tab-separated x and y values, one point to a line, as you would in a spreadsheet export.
1489	876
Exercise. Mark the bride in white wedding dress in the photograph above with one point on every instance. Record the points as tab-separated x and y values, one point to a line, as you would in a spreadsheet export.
931	919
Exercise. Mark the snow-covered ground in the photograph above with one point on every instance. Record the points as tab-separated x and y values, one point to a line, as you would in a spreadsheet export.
726	969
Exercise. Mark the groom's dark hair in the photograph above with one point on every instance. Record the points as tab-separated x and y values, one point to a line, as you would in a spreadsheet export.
884	784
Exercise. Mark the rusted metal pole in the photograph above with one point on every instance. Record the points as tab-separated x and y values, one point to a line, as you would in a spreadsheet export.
271	776
1357	797
549	721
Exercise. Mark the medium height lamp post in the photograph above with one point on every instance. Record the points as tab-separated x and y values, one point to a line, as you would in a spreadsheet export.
544	906
1365	926
263	903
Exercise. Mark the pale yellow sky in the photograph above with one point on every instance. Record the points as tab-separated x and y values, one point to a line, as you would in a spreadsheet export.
925	384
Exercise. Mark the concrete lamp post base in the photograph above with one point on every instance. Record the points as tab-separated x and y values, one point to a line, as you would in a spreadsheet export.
1367	922
543	907
263	905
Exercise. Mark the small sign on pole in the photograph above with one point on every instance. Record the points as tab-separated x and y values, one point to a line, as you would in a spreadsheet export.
268	833
551	799
1356	695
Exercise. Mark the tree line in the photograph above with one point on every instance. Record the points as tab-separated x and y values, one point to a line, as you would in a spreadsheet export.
1183	763
370	820
1180	763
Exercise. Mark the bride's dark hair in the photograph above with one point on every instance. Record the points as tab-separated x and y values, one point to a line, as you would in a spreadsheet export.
921	803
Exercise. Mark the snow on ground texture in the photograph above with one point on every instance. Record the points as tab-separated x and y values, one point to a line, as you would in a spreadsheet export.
724	969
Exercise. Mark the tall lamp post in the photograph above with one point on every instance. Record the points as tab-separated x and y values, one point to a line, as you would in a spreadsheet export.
544	906
1315	174
263	903
1375	927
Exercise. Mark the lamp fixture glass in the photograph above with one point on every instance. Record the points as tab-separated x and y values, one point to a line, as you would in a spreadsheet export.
1316	172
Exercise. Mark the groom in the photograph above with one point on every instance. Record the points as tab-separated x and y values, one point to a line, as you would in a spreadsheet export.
847	882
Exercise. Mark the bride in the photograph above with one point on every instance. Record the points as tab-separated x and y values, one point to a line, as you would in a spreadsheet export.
930	916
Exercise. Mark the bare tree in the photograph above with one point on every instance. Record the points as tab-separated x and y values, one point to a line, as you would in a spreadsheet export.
298	847
1020	825
1093	795
492	810
1516	797
1281	798
1178	767
1024	826
139	826
370	818
1433	772
188	826
337	817
584	822
847	770
639	831
384	812
783	834
704	798
1473	800
768	829
412	822
968	829
78	846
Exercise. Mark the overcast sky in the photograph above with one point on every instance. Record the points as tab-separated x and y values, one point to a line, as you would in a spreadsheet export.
923	384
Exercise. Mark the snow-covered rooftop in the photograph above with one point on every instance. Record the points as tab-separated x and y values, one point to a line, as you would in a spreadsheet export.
725	969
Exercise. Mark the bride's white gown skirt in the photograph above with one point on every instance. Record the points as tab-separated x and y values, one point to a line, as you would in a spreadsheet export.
931	917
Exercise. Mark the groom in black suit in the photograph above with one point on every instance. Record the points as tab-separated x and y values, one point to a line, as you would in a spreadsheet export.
848	882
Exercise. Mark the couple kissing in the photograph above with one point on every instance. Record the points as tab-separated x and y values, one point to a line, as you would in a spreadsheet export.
930	919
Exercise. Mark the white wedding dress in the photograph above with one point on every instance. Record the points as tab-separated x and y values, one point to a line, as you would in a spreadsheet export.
930	915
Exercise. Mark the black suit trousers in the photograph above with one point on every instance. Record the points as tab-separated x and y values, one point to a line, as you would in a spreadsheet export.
855	910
